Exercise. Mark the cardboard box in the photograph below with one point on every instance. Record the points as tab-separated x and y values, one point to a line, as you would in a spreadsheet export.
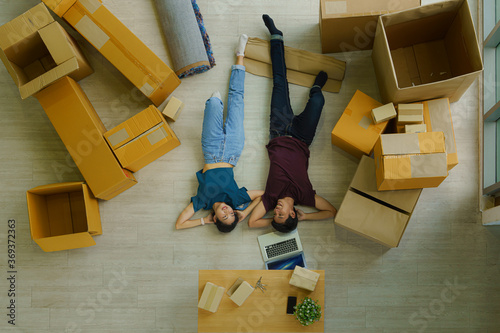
437	118
173	109
120	46
379	216
142	139
81	131
350	25
37	51
211	297
383	113
426	53
408	161
416	128
355	132
240	291
410	114
63	216
304	278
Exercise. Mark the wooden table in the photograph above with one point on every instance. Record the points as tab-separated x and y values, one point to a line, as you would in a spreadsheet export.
261	312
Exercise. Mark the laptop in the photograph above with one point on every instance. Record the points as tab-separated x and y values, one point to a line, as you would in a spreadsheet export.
282	250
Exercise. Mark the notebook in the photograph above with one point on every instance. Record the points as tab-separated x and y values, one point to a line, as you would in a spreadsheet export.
282	250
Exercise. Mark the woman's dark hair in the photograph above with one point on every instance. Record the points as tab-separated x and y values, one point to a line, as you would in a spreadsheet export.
289	225
226	227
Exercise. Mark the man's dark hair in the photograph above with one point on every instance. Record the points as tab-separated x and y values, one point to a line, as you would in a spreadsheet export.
227	227
289	225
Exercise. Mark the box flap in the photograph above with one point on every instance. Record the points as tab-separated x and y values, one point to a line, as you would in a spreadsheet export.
54	38
56	188
24	25
365	181
92	211
59	6
65	242
343	8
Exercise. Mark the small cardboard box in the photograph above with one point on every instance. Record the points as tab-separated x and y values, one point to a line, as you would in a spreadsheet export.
379	216
304	278
426	53
416	128
383	113
63	216
142	139
410	114
350	25
173	109
81	131
355	132
437	118
408	161
37	51
211	297
120	46
240	291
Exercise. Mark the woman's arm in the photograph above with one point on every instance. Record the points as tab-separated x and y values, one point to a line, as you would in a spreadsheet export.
243	214
326	210
184	222
256	220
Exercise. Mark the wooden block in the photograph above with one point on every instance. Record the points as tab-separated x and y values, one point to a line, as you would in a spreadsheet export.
211	297
173	109
304	278
383	113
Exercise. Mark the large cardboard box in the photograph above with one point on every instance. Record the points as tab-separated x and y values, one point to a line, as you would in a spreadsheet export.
37	51
63	216
355	131
379	216
142	139
81	131
119	45
350	25
426	53
410	160
437	118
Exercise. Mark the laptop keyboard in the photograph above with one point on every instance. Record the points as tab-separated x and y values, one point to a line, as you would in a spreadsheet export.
280	248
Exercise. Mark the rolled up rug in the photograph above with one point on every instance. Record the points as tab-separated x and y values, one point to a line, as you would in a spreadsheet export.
186	36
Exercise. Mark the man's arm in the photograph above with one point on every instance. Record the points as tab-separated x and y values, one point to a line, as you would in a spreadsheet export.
326	210
256	220
184	222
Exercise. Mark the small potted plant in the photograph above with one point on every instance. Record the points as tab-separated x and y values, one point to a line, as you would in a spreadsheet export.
307	312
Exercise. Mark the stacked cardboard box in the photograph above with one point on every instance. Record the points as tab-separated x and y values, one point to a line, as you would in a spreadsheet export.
409	161
37	51
355	131
119	45
381	216
81	131
63	216
141	139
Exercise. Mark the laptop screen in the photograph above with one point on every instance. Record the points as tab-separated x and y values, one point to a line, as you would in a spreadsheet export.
287	263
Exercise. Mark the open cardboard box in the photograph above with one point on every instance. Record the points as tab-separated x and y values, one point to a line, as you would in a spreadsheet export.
119	45
37	51
427	52
81	130
63	216
350	25
379	216
142	139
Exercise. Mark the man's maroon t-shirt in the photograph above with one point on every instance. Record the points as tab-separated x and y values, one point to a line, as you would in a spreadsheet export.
288	176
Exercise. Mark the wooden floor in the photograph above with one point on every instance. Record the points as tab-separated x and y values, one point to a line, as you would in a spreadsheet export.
142	274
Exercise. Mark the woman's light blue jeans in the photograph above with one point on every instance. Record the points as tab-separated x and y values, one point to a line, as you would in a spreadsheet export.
223	141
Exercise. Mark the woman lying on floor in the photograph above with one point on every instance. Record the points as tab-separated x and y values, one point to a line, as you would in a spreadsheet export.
222	144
